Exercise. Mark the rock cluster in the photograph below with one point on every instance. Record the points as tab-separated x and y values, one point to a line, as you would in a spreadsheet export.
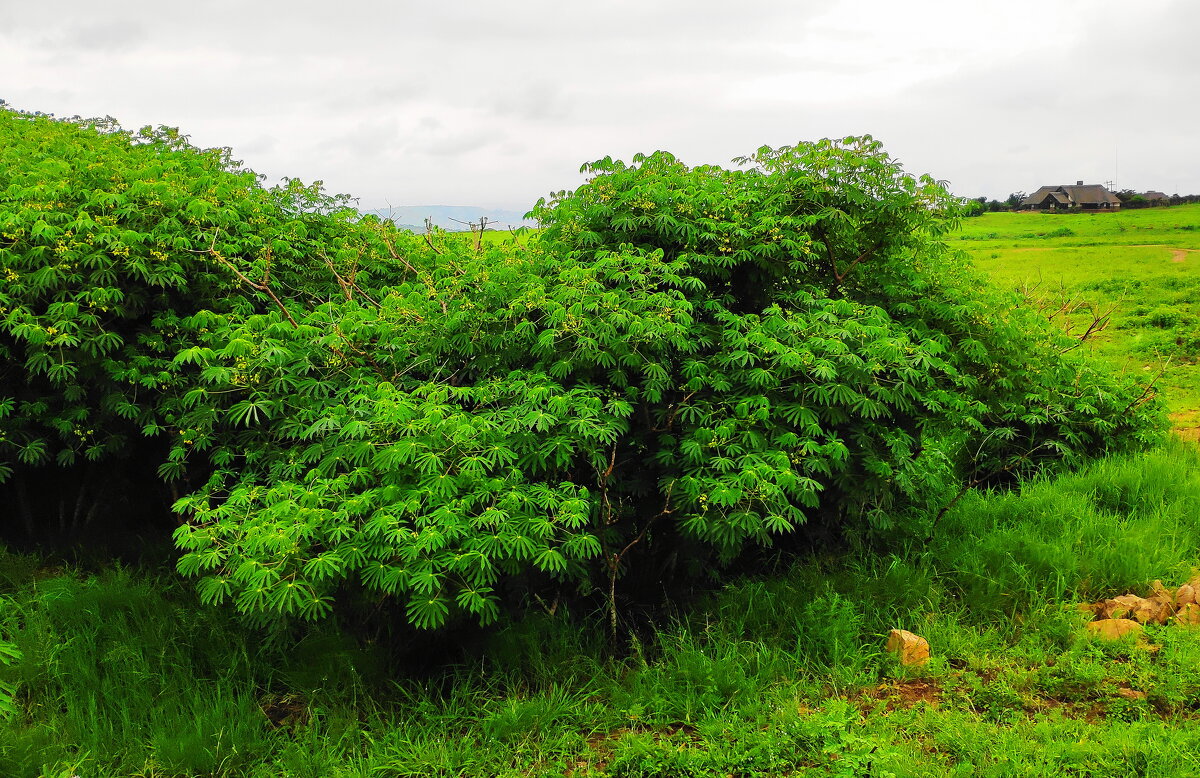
1119	616
1112	619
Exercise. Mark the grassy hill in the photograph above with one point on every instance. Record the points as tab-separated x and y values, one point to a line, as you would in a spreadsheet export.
1141	268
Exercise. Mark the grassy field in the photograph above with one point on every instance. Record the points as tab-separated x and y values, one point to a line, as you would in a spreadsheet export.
1143	266
125	674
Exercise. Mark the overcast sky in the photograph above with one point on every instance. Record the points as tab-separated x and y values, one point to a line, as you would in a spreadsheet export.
498	103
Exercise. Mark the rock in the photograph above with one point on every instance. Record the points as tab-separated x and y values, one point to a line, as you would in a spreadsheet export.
1131	694
1188	615
1114	629
1159	609
1147	610
909	648
1162	594
1185	595
1118	607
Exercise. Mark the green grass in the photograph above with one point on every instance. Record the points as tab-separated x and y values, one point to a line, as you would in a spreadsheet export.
1143	265
1174	226
125	674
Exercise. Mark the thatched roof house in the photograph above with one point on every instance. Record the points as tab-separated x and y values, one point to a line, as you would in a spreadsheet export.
1080	196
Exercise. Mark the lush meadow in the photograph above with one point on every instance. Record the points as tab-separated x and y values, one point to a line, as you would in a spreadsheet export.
1141	268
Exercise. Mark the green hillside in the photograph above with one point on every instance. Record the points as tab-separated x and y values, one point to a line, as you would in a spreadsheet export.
1140	267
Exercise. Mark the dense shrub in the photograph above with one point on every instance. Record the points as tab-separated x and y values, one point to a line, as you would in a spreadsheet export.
108	239
683	362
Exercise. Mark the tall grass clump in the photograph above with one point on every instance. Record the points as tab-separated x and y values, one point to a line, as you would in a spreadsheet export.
101	675
1111	527
126	672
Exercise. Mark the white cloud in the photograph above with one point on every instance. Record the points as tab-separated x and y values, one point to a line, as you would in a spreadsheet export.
498	103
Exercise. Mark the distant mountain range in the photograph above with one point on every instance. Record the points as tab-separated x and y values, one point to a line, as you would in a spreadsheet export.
453	218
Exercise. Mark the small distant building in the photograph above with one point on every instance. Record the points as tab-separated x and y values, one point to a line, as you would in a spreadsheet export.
1071	197
1156	198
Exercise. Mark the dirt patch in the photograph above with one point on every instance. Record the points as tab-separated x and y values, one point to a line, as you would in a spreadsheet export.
284	711
1186	425
1190	434
905	694
1177	254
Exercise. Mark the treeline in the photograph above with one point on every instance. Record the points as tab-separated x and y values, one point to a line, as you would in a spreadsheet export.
1131	199
978	206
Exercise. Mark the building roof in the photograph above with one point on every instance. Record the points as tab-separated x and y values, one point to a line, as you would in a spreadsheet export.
1073	194
1038	196
1092	193
1154	195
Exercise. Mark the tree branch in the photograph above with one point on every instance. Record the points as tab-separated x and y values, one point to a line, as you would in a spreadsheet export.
842	276
261	286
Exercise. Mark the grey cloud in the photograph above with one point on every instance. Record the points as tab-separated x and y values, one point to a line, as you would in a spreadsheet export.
259	146
369	139
1074	108
72	36
501	102
103	36
455	144
368	96
662	21
538	102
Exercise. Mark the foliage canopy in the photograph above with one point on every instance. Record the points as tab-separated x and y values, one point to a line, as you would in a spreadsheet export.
684	361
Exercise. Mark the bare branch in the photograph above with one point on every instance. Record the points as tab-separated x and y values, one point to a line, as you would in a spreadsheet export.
261	286
1020	459
1066	310
1147	393
842	276
428	239
347	285
614	560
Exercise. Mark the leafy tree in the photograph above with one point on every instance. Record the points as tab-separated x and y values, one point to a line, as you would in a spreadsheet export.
683	359
684	362
975	207
841	221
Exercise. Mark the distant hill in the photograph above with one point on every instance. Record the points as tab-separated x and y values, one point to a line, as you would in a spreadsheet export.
452	217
